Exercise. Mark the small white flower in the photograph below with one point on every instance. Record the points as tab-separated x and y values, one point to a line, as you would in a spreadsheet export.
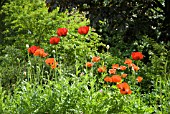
27	45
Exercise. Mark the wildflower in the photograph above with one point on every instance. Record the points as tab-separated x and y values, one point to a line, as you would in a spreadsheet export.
122	67
62	31
89	64
122	85
137	55
124	75
128	62
115	66
51	62
139	79
125	91
134	67
96	59
54	40
101	69
83	30
40	52
108	79
27	45
112	71
54	65
116	78
124	88
32	49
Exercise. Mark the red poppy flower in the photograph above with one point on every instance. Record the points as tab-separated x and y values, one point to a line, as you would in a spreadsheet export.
40	52
128	62
139	79
96	59
101	69
54	40
134	67
122	67
108	79
83	30
125	91
112	71
137	55
89	64
116	78
122	85
32	49
124	75
51	62
62	31
115	66
124	88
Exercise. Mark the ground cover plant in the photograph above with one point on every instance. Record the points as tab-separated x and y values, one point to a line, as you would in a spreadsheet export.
56	64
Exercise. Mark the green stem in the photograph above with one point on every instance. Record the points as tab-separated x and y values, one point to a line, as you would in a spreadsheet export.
161	93
64	57
75	53
165	70
55	59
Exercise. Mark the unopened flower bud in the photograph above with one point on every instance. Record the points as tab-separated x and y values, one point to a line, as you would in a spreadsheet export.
107	47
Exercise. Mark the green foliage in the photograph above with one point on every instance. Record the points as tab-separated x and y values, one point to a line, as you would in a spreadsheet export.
61	97
158	55
12	66
28	85
28	22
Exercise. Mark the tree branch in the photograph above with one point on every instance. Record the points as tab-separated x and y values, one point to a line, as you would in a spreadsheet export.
160	5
